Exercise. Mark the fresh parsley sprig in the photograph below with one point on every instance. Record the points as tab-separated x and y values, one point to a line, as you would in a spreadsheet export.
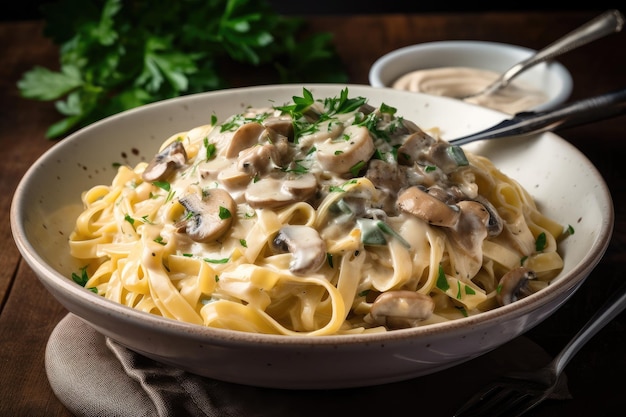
115	55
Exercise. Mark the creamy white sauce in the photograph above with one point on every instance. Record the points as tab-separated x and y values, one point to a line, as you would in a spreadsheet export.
461	81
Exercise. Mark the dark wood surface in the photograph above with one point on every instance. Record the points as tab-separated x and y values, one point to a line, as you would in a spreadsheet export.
596	374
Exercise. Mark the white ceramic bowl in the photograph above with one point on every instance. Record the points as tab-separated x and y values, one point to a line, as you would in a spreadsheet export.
565	184
551	78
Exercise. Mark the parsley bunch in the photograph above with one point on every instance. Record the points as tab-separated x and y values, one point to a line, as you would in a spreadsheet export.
116	55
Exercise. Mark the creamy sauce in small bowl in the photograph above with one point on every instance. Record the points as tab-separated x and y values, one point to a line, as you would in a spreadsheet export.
462	81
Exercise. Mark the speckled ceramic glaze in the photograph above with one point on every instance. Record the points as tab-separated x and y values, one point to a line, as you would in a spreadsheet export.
566	185
552	78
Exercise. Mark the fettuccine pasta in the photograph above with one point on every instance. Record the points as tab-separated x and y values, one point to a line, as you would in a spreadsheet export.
318	217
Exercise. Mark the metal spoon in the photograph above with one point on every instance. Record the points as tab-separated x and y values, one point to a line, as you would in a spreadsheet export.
580	112
608	22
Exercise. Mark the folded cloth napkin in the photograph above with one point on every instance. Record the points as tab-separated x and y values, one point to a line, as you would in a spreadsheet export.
94	376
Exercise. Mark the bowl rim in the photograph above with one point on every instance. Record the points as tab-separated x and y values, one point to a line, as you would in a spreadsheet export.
383	62
50	277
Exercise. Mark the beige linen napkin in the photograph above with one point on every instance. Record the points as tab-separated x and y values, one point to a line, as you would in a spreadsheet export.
94	376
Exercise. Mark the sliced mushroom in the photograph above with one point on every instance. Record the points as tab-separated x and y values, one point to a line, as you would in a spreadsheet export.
246	136
258	159
450	195
471	230
445	156
306	246
282	125
495	223
419	203
283	153
414	146
208	218
366	109
326	131
389	178
342	154
275	192
166	162
231	177
514	285
409	127
400	309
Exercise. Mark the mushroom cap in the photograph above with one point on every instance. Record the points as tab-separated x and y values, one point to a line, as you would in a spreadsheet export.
258	159
164	163
282	125
208	218
401	309
341	154
514	285
246	136
427	207
495	225
413	147
275	192
306	246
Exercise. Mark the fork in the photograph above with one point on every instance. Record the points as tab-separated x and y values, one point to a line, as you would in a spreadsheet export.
608	22
515	393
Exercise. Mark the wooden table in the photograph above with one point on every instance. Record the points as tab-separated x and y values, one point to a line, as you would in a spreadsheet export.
29	313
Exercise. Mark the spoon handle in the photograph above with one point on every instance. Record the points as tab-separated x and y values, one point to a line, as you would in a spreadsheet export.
608	22
580	112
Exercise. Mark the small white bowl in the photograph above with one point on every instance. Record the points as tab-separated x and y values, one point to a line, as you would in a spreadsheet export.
552	78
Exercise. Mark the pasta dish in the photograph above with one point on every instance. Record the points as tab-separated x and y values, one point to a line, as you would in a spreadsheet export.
316	217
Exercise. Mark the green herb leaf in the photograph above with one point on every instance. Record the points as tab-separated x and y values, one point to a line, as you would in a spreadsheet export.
115	55
164	185
540	243
43	84
442	281
216	261
224	213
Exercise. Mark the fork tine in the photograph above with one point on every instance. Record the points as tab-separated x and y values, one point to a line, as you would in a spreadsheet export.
480	402
498	400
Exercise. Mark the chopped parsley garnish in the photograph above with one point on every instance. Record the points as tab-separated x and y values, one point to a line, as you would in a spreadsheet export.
164	185
442	281
210	149
329	259
82	279
540	243
364	293
456	153
356	168
216	261
224	213
333	106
